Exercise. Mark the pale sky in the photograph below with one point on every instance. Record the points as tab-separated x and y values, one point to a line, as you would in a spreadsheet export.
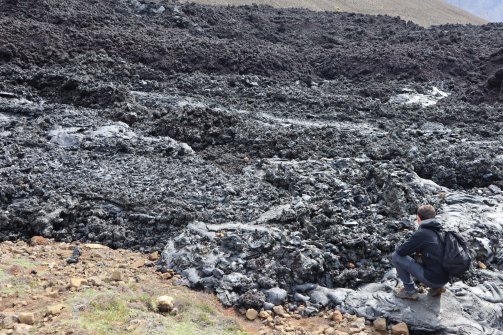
491	10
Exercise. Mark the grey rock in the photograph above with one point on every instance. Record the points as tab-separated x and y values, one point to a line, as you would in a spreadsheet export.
268	306
192	276
218	273
310	311
276	295
319	296
300	298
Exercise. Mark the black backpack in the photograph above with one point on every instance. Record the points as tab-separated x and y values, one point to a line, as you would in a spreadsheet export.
455	257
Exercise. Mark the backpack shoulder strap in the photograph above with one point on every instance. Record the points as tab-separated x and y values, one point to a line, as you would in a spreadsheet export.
440	234
441	238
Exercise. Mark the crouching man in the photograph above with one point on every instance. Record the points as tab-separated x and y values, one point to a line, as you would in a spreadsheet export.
425	242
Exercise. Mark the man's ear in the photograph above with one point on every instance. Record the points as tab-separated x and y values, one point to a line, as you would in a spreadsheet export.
418	220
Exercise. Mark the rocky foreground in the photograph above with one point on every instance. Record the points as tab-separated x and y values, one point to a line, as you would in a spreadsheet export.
60	288
271	156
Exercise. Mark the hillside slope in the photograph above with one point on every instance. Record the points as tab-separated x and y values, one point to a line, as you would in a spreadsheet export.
424	13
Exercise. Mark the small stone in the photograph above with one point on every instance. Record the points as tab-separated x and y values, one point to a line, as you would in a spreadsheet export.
94	246
380	324
400	329
39	240
482	266
337	316
7	321
22	329
154	256
340	332
329	331
495	189
279	310
117	275
353	330
26	318
165	303
167	275
359	323
251	314
77	282
54	309
138	264
95	281
75	257
263	315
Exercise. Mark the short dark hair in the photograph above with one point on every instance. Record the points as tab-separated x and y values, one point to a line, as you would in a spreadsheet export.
426	212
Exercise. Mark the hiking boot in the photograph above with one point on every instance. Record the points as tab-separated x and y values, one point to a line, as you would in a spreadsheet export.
436	292
402	293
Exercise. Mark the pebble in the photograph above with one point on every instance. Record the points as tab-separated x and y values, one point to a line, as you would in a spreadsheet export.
154	256
7	321
117	275
400	329
251	314
495	189
22	329
55	309
95	281
380	324
337	316
26	318
279	310
359	324
77	282
167	275
94	246
165	303
39	240
138	264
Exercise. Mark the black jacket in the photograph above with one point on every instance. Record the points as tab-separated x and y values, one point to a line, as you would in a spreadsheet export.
426	242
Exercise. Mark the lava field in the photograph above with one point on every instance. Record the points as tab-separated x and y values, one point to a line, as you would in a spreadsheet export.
274	155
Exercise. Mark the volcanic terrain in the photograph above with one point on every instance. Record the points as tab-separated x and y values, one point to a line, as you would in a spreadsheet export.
277	156
425	12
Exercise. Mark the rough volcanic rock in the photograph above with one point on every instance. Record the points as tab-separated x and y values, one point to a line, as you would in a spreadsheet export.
261	150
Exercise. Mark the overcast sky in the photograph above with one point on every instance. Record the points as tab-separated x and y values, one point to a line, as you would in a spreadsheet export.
491	10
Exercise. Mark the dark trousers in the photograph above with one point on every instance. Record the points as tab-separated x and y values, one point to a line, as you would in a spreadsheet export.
406	268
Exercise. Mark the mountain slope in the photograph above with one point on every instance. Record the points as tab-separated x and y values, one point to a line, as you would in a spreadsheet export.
425	13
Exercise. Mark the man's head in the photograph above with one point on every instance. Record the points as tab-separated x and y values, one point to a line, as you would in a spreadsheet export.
425	212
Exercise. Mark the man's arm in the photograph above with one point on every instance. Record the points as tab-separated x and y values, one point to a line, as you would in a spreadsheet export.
413	244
